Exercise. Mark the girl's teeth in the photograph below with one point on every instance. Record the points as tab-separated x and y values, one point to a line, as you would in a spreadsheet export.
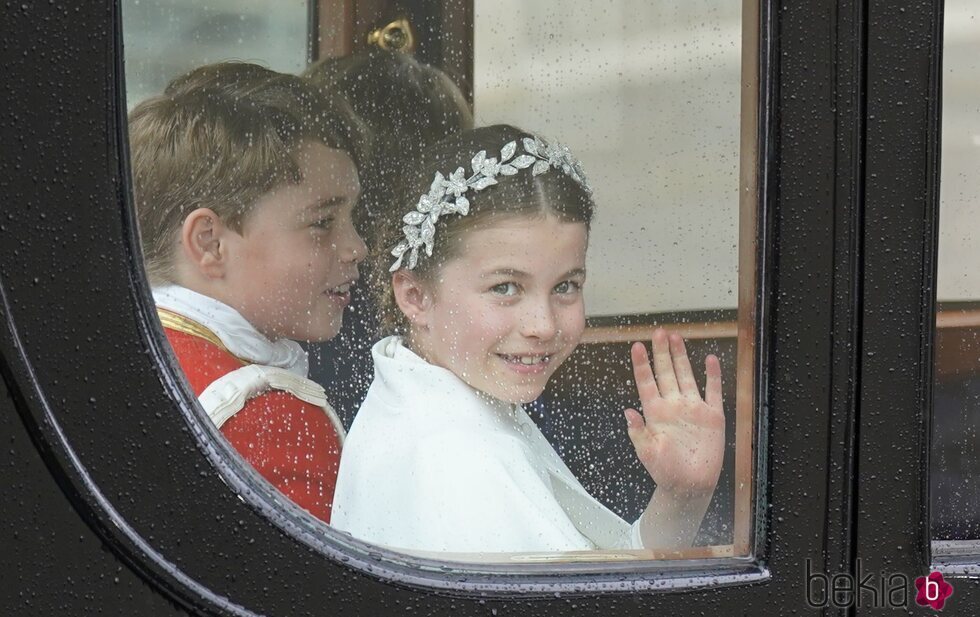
528	360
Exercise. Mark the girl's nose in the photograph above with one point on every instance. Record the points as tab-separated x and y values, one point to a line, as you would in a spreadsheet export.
539	322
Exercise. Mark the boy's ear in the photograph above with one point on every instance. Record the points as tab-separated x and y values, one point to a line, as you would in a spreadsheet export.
203	240
412	296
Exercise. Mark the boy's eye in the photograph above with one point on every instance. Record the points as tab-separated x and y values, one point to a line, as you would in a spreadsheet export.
505	289
568	287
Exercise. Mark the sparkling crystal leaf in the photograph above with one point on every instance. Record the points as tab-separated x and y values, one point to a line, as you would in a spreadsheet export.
413	259
437	183
425	203
539	168
523	161
529	146
463	206
483	183
456	185
400	249
397	264
428	231
508	151
477	161
508	170
411	234
413	218
490	167
437	193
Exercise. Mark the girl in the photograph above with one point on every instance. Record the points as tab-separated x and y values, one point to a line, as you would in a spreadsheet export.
486	289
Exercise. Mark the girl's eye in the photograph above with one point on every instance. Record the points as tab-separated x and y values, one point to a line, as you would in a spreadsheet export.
505	289
568	287
323	223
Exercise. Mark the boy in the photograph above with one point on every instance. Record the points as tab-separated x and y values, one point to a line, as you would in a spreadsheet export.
245	180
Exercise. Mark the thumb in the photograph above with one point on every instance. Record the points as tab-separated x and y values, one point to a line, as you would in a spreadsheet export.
634	425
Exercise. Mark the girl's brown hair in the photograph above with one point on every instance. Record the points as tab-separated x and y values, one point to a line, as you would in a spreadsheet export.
406	104
522	195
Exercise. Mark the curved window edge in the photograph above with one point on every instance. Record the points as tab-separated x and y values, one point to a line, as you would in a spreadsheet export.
586	577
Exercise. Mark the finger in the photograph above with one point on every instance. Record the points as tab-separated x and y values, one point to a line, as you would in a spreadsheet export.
646	385
712	390
663	366
682	367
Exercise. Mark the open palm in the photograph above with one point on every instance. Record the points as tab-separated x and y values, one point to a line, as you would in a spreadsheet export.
679	437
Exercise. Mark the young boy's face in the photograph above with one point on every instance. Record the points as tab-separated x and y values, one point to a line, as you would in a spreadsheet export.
289	273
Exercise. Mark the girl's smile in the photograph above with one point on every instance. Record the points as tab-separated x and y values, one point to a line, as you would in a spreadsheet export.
508	311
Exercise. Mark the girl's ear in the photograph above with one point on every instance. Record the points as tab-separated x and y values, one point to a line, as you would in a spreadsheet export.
203	242
412	296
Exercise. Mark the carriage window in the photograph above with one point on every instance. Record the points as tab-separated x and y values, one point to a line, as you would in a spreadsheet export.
955	473
476	285
165	39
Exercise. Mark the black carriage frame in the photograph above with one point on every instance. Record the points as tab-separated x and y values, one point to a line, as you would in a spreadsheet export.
115	486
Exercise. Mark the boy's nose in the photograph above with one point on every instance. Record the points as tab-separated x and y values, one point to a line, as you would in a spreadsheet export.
353	249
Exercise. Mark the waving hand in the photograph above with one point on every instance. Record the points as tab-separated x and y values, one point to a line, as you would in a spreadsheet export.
679	437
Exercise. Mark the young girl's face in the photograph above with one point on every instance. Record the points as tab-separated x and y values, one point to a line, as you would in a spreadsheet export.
507	311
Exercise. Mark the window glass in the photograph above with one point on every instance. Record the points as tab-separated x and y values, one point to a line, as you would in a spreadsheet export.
166	38
573	294
650	107
647	96
956	405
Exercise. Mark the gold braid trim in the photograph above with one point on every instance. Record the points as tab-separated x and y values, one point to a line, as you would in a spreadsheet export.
175	321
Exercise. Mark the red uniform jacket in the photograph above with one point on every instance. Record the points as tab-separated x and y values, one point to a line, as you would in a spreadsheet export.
293	444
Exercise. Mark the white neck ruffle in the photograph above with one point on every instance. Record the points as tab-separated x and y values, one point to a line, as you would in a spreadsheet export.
235	332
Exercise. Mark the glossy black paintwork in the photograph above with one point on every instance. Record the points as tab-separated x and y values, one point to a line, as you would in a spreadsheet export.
115	489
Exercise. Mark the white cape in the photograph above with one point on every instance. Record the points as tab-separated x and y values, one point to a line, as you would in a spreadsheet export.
431	464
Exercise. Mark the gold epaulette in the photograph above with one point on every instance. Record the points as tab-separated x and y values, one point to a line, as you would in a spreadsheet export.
175	321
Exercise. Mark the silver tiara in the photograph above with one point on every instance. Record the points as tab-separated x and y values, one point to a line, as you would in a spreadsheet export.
445	196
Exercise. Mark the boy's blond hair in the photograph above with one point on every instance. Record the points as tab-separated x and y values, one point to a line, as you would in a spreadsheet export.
221	137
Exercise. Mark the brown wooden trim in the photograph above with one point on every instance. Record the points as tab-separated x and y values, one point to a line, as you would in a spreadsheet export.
730	329
644	332
958	319
335	28
457	44
748	248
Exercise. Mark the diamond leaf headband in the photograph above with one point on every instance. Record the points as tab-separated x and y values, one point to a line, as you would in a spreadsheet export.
445	196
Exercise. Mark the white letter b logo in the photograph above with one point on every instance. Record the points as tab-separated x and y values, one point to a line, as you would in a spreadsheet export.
932	590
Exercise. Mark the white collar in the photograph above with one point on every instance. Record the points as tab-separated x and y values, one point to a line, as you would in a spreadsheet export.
235	332
405	381
399	371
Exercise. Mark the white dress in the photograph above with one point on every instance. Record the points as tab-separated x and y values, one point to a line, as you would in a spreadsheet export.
430	464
